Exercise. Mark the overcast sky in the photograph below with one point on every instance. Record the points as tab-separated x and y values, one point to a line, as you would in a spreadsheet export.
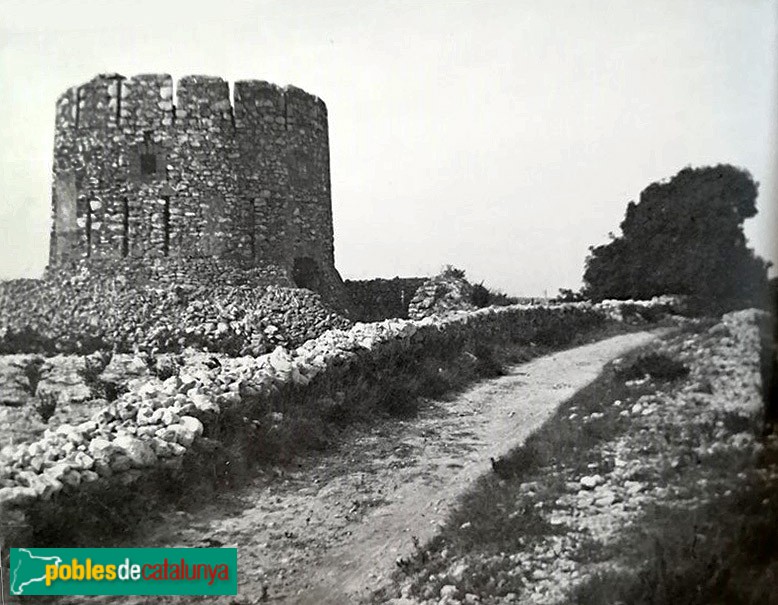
504	137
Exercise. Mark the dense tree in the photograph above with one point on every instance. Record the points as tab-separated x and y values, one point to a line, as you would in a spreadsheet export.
685	236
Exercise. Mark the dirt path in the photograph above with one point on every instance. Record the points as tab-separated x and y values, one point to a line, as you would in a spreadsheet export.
330	531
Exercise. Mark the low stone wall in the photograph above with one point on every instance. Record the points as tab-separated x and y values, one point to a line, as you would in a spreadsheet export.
644	310
379	299
161	428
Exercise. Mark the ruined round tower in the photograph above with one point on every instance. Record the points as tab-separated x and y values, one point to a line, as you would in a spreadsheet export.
146	170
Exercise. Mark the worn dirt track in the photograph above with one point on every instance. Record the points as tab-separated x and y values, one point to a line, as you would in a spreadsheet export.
331	530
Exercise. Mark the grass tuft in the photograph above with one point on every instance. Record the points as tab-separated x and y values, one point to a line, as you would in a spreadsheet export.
46	405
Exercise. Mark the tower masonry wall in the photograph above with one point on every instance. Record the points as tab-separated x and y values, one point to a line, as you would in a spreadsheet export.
144	168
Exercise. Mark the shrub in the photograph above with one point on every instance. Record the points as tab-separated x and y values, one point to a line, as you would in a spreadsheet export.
480	296
685	236
453	272
32	370
46	405
487	364
567	295
399	398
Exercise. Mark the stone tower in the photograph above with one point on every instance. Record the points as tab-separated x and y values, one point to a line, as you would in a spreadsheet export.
146	170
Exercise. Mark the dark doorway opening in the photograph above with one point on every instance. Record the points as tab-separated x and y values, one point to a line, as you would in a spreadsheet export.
306	273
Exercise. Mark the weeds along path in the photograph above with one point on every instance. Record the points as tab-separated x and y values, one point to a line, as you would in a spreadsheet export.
331	530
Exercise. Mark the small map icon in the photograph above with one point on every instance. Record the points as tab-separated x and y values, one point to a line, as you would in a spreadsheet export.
29	569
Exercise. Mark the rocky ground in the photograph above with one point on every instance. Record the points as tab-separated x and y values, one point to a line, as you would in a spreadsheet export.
680	444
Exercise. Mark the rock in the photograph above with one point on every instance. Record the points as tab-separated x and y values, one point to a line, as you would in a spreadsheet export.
176	449
26	478
103	468
58	471
36	448
591	481
120	463
72	478
36	463
168	434
149	389
229	398
124	367
139	452
71	433
458	573
204	403
83	461
280	360
16	496
127	412
46	487
187	382
170	386
742	440
148	431
169	417
449	591
147	415
192	424
89	476
605	500
101	448
87	428
184	434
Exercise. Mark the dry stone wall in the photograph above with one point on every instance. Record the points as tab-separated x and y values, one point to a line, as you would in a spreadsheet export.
378	299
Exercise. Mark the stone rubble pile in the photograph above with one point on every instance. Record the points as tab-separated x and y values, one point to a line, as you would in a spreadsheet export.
131	311
444	293
157	421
